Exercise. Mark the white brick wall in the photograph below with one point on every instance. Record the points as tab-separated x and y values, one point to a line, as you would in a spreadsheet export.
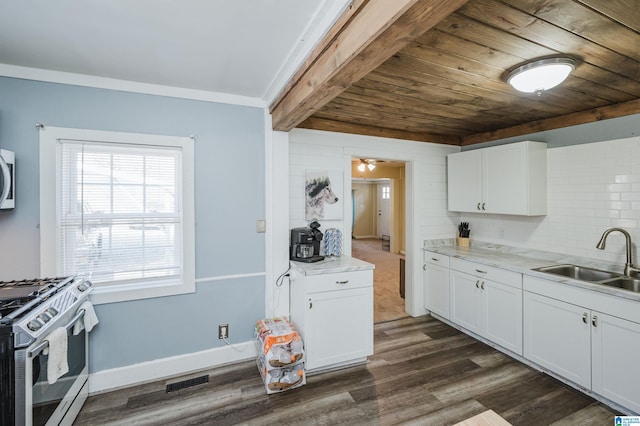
591	187
314	149
426	167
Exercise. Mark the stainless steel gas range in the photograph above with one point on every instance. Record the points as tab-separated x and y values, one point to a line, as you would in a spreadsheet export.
30	311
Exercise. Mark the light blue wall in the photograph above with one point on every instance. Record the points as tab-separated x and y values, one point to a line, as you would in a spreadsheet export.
229	198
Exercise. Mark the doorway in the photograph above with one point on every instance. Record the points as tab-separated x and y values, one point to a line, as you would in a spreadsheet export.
378	211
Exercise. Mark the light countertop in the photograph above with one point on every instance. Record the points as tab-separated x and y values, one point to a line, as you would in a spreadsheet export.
524	260
332	265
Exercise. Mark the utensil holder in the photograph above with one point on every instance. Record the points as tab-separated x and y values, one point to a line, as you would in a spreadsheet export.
463	242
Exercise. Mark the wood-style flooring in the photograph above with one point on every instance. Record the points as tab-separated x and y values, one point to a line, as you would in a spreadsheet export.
423	372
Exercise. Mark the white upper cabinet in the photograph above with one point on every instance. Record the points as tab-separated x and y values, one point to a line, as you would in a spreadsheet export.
505	179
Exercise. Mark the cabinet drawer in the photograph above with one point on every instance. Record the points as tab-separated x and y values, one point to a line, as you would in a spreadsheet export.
337	281
491	273
436	259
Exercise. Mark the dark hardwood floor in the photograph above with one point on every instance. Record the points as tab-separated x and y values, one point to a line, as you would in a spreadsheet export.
423	372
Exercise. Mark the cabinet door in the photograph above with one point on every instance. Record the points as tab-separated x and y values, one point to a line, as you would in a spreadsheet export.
436	289
464	181
616	347
339	327
504	177
557	337
502	315
466	306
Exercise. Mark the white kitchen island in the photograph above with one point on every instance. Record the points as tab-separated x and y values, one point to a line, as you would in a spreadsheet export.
332	309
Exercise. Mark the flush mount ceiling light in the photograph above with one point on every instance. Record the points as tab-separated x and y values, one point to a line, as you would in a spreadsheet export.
369	164
540	75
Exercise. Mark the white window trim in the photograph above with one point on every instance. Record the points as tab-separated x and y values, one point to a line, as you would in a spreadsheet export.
49	137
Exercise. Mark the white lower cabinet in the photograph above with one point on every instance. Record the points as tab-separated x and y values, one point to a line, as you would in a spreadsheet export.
615	346
465	301
557	337
339	327
333	313
487	307
594	341
593	349
436	284
502	315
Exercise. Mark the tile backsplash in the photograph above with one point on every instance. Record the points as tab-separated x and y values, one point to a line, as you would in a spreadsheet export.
591	187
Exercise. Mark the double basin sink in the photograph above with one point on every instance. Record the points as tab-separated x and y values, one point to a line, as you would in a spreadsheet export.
596	276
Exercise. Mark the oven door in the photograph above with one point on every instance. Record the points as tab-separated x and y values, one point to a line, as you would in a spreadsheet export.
58	403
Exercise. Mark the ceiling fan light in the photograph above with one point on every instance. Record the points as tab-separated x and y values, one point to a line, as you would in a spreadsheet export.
537	76
361	166
371	166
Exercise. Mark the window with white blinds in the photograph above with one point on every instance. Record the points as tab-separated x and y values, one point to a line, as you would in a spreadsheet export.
122	216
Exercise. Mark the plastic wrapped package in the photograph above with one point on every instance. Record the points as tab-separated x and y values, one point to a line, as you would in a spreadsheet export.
281	379
280	355
278	342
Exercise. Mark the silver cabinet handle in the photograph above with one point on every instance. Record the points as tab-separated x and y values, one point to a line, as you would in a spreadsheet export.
594	321
482	285
480	271
342	282
483	206
424	267
584	317
435	260
478	284
310	304
478	206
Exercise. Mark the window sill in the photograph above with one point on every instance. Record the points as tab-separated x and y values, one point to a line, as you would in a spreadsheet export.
124	293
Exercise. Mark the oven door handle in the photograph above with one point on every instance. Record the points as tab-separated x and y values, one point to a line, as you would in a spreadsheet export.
42	346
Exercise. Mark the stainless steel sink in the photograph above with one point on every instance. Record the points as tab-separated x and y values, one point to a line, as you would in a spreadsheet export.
578	272
625	283
595	276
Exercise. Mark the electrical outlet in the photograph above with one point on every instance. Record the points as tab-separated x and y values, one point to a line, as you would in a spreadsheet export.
223	331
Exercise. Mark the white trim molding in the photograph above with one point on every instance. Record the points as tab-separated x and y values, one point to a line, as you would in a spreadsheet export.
164	368
85	80
230	277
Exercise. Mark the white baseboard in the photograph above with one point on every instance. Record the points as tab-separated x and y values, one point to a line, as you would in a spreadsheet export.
360	237
145	372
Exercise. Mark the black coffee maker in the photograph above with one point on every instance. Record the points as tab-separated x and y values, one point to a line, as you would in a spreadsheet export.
304	245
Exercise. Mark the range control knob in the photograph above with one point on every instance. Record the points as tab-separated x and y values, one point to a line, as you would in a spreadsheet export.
83	287
44	317
52	311
34	325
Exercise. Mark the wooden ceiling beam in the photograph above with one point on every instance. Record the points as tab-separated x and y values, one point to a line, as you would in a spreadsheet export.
574	119
367	34
360	129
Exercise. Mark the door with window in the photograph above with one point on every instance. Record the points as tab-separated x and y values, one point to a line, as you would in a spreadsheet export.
384	209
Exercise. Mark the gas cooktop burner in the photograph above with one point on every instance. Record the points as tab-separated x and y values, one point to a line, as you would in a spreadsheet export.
16	294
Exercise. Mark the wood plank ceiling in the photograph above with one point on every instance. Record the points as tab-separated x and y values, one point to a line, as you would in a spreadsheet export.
443	79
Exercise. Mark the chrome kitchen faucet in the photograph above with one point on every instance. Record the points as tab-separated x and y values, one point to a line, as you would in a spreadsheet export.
628	267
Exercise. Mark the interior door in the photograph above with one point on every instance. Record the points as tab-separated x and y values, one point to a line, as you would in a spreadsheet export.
384	209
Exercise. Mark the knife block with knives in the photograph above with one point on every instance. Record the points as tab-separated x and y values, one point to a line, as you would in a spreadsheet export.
463	234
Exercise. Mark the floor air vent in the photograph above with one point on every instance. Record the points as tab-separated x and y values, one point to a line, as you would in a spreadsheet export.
171	387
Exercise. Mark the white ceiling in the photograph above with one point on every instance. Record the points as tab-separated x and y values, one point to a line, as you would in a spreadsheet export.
241	47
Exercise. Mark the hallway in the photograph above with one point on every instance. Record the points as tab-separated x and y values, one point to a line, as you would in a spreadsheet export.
388	305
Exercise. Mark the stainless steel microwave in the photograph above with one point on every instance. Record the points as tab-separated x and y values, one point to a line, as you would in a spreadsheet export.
7	179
